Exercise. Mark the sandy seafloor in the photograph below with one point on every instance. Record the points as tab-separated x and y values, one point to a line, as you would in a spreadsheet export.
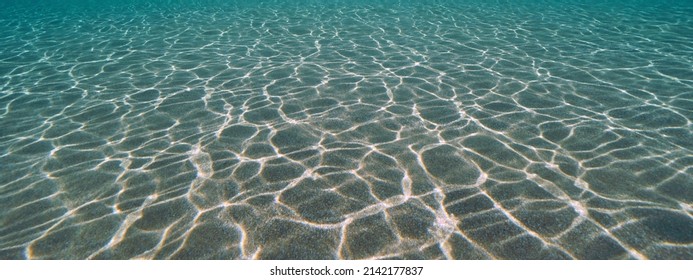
346	129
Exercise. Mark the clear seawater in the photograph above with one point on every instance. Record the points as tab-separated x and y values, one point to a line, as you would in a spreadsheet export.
346	129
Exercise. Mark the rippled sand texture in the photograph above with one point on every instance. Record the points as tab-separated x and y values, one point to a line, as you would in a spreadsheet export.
347	131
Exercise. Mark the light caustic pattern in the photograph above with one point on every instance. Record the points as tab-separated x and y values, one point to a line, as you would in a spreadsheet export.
439	131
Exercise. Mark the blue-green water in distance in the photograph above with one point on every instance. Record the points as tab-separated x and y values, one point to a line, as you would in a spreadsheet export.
346	129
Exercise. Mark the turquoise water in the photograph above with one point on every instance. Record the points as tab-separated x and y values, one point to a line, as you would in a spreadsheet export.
346	129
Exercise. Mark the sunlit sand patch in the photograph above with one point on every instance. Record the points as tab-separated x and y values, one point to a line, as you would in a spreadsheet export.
346	131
